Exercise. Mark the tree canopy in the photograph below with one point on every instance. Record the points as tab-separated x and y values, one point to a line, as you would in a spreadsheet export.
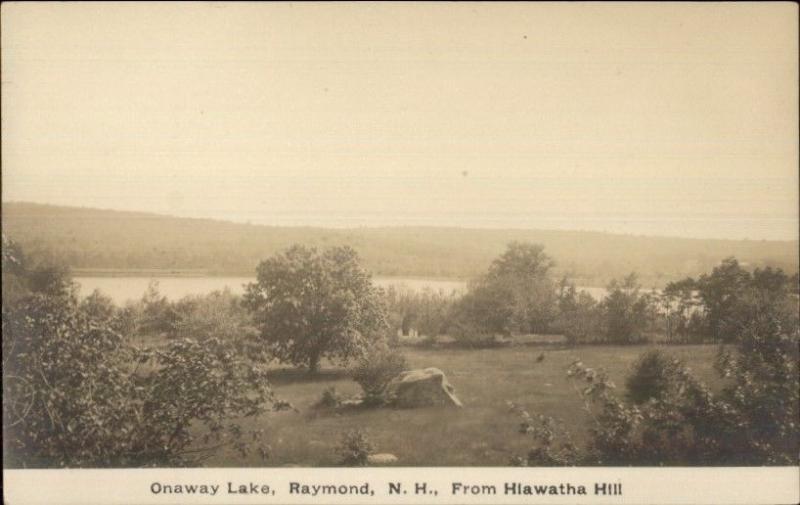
309	305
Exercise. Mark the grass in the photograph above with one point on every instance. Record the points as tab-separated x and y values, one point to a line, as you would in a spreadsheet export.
483	433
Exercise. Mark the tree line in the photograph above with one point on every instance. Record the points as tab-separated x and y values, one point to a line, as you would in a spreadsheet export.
519	295
113	240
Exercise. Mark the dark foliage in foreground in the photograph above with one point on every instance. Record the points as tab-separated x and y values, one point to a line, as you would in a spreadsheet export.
673	419
78	394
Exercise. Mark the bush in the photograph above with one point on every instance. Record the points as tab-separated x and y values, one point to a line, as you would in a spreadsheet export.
354	449
330	399
752	421
653	375
554	447
470	336
77	394
375	369
426	311
157	314
670	418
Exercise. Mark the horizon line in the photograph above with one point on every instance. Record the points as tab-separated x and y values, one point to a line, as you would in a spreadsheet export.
398	226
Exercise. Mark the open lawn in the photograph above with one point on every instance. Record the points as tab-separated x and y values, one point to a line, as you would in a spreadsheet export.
483	433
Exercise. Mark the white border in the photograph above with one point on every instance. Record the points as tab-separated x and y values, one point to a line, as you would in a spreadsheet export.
720	485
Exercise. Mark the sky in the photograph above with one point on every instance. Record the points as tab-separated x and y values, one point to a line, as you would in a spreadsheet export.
675	119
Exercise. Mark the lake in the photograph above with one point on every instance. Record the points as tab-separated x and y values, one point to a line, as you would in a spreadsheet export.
124	288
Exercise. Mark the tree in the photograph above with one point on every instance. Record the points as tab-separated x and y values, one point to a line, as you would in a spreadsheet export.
579	317
682	311
516	295
158	316
309	305
98	306
521	259
427	311
719	292
626	311
219	314
25	274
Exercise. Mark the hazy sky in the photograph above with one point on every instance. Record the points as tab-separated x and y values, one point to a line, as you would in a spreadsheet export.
670	119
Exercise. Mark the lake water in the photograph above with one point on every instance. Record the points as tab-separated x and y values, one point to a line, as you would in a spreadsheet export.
123	289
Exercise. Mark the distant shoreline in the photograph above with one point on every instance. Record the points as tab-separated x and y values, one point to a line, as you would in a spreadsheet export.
179	273
154	272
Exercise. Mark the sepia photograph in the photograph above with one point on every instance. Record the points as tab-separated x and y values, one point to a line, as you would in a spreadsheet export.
400	252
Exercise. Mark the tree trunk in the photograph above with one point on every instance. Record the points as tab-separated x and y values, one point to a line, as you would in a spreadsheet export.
313	364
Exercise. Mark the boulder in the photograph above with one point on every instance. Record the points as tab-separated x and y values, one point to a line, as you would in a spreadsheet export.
383	458
421	388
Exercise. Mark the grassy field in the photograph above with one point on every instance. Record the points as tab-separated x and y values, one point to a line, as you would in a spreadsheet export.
483	433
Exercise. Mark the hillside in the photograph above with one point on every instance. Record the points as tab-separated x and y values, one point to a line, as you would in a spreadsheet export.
109	240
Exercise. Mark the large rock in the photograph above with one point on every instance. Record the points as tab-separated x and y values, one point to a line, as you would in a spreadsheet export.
421	388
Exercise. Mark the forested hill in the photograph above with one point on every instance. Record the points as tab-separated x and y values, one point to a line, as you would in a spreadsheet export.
110	240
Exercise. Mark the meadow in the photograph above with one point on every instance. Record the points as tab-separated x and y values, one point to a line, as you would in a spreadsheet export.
483	433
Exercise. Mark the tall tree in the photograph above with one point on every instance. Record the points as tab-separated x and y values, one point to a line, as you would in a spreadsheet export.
626	310
310	305
516	295
720	292
523	271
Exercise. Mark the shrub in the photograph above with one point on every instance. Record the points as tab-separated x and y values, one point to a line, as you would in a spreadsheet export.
375	369
470	336
354	449
76	393
157	313
554	447
426	311
219	314
330	399
653	375
678	420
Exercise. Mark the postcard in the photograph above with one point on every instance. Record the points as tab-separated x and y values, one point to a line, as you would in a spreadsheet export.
400	253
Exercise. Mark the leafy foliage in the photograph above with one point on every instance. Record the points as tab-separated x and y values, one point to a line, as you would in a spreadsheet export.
673	419
355	448
711	307
625	311
580	318
553	446
516	295
427	311
652	376
76	393
682	312
309	305
375	369
157	315
330	399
